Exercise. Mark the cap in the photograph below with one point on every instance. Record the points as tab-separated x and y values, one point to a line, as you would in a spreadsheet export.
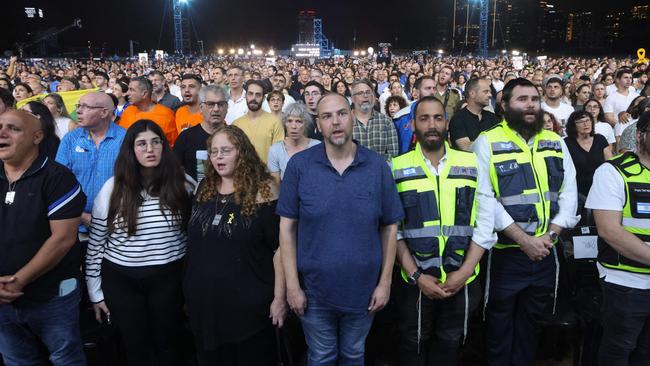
552	77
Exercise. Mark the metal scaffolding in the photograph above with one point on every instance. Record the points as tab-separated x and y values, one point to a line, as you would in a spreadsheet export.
483	29
181	31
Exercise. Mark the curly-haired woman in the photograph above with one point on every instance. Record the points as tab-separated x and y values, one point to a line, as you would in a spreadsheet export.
234	285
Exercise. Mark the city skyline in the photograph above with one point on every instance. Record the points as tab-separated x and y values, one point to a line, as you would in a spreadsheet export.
408	24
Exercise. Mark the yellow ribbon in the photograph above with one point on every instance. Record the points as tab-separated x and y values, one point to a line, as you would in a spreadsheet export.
641	54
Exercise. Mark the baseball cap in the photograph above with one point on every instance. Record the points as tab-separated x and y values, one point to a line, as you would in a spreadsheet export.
552	77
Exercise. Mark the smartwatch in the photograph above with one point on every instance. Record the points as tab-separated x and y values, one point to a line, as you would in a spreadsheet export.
553	235
413	279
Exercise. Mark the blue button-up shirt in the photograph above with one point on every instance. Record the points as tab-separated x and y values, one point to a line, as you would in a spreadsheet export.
339	249
91	164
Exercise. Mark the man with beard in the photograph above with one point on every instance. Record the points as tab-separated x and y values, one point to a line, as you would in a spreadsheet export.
449	96
534	181
371	128
189	114
262	128
160	94
424	86
190	148
339	211
621	210
278	81
446	230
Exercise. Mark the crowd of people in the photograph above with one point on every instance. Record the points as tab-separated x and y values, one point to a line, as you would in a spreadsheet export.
237	195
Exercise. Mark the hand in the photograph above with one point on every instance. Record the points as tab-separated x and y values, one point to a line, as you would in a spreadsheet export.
297	300
624	117
537	248
100	308
430	287
13	59
455	281
278	311
10	289
379	298
85	218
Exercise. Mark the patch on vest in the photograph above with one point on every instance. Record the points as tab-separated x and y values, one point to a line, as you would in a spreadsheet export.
549	145
643	207
506	166
409	172
504	146
463	170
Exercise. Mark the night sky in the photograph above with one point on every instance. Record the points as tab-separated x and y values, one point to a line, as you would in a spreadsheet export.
225	23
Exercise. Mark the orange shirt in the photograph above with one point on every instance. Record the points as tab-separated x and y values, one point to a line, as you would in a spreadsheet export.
163	116
186	119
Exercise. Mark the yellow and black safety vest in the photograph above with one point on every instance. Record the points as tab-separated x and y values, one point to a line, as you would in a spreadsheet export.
636	212
440	211
526	181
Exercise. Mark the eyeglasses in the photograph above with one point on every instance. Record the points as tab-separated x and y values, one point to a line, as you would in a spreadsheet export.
86	106
365	93
142	145
210	105
225	151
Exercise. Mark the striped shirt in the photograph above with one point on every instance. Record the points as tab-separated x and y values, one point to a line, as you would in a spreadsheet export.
158	239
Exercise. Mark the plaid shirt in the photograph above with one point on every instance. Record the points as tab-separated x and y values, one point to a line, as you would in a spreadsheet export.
378	135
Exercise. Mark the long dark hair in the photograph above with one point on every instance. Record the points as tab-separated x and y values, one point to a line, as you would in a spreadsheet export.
50	143
571	130
167	182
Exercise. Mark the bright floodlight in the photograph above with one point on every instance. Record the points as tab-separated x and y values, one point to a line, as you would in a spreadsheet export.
252	46
232	51
240	51
220	51
371	50
356	53
271	53
440	52
515	53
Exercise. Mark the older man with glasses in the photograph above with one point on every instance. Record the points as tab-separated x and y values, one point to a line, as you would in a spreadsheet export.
371	128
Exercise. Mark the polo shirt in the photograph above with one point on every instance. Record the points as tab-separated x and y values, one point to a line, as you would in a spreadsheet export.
92	165
339	249
46	192
466	124
163	116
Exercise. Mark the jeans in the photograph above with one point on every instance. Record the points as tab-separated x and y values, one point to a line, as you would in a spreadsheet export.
334	337
626	326
54	324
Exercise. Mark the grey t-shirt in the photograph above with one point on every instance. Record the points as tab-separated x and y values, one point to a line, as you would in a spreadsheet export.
279	157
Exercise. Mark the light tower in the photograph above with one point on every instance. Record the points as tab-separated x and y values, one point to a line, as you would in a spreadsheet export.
181	32
483	29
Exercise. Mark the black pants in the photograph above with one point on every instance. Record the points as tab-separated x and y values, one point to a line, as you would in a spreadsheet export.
519	290
626	326
442	323
257	350
146	304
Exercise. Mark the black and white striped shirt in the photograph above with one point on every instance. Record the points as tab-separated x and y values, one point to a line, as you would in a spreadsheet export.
158	239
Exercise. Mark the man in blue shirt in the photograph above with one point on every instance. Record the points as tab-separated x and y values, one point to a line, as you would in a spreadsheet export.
91	149
339	211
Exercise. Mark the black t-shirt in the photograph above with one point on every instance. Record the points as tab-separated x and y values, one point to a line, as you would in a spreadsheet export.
46	192
466	124
191	150
586	162
229	279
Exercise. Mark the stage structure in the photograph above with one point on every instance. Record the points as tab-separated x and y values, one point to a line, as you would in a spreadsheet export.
312	42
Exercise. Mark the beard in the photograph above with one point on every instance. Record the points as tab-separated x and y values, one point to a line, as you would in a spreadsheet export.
515	120
253	106
428	145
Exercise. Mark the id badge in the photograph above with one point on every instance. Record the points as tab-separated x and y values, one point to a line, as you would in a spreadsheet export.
9	198
217	219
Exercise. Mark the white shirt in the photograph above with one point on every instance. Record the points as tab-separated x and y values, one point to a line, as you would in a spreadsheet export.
561	113
61	126
608	193
606	130
617	102
568	200
236	108
620	127
498	85
483	235
610	89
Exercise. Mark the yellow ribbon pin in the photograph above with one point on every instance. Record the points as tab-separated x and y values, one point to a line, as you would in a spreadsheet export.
231	216
641	54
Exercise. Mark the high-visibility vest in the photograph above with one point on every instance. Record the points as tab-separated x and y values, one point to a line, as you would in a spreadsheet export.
440	211
526	181
636	212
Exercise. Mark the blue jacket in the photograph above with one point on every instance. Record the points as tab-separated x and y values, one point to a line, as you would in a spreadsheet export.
402	121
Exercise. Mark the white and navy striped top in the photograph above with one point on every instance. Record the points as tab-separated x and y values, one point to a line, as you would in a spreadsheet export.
158	238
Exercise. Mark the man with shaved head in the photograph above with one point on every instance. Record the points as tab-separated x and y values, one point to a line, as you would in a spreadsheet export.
340	197
90	149
40	207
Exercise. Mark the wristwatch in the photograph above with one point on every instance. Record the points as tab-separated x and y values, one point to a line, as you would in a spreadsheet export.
553	235
413	279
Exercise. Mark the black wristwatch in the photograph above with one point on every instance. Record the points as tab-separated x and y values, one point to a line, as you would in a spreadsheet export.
553	235
413	279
